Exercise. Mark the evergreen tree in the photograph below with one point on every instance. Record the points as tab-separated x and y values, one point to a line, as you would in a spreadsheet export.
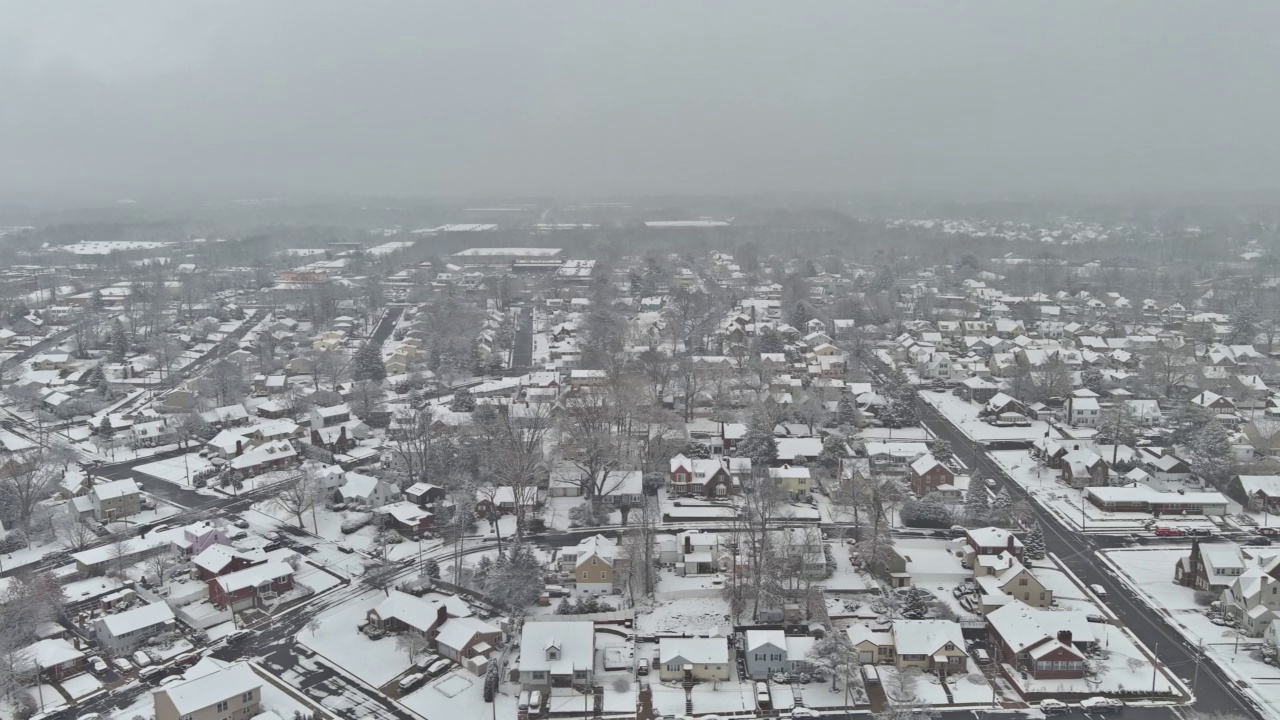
96	303
975	500
941	450
117	342
432	568
847	413
367	363
564	608
1033	546
801	314
1210	454
1091	379
463	401
484	568
758	443
769	341
913	605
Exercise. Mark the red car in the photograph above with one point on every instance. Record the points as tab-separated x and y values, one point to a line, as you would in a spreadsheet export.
1169	531
1268	531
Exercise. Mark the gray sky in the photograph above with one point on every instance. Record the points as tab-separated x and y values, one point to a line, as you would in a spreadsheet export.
599	98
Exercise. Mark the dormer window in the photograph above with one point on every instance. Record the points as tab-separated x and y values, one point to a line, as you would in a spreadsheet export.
553	654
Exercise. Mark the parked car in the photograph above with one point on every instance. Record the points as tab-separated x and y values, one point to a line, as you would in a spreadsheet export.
1259	540
1098	590
1054	707
98	664
439	666
1169	531
141	659
1199	532
427	661
762	693
1101	704
241	523
152	671
1095	618
123	665
409	682
1268	531
981	657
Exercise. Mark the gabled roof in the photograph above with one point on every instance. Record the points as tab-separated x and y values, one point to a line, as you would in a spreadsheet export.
710	651
926	637
137	619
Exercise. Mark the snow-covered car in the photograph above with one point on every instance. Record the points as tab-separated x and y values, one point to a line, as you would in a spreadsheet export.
1054	707
1101	704
99	665
241	523
123	665
141	659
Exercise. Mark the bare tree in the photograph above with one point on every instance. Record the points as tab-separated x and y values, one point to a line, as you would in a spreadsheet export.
161	564
587	440
366	398
25	480
638	545
224	382
72	532
513	455
166	352
299	493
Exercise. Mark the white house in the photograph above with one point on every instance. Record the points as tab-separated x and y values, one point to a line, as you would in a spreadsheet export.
557	653
693	659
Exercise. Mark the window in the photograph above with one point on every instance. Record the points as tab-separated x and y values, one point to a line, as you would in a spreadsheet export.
222	706
604	574
247	697
538	675
949	646
1022	582
954	660
1042	596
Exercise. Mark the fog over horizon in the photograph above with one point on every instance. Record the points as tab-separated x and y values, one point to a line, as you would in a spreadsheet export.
596	99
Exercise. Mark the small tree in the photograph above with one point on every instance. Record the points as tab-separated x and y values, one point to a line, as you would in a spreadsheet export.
463	401
976	505
432	568
366	363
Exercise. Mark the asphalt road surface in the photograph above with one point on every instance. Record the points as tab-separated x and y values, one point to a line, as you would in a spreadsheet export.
1214	691
522	345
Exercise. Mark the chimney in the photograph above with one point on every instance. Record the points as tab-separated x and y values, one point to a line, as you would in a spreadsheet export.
239	447
1010	543
688	545
441	615
1064	637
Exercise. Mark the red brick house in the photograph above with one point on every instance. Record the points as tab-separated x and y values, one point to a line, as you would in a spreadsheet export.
1039	642
253	586
927	474
708	477
992	541
218	560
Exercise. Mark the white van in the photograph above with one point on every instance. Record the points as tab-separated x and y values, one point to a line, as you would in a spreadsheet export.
762	693
409	682
870	675
535	699
981	656
1100	591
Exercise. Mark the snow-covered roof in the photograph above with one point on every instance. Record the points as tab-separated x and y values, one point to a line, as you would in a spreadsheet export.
253	576
1022	626
924	464
138	618
222	683
574	641
455	633
925	637
760	638
697	651
992	537
115	489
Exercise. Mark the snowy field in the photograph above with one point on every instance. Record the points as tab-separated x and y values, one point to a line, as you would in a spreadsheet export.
376	662
682	616
175	470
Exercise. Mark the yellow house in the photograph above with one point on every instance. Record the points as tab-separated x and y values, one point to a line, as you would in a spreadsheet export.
693	659
1003	578
791	479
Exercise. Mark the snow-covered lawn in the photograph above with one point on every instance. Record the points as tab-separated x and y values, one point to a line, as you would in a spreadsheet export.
970	688
964	415
90	587
724	697
683	616
924	689
667	699
338	642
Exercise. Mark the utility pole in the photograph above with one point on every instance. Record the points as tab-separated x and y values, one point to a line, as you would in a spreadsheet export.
1196	676
1155	665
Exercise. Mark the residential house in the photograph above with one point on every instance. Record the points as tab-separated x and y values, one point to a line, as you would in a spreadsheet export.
1253	597
424	493
501	500
266	457
928	474
1209	567
1158	503
1083	409
211	690
1261	489
1045	644
873	644
52	658
120	632
465	639
931	645
254	586
367	490
323	417
557	653
406	518
991	541
1082	467
794	480
1003	578
115	500
596	564
1264	435
708	477
765	652
693	659
219	560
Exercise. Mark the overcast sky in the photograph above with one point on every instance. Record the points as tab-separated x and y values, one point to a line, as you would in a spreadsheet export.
602	98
